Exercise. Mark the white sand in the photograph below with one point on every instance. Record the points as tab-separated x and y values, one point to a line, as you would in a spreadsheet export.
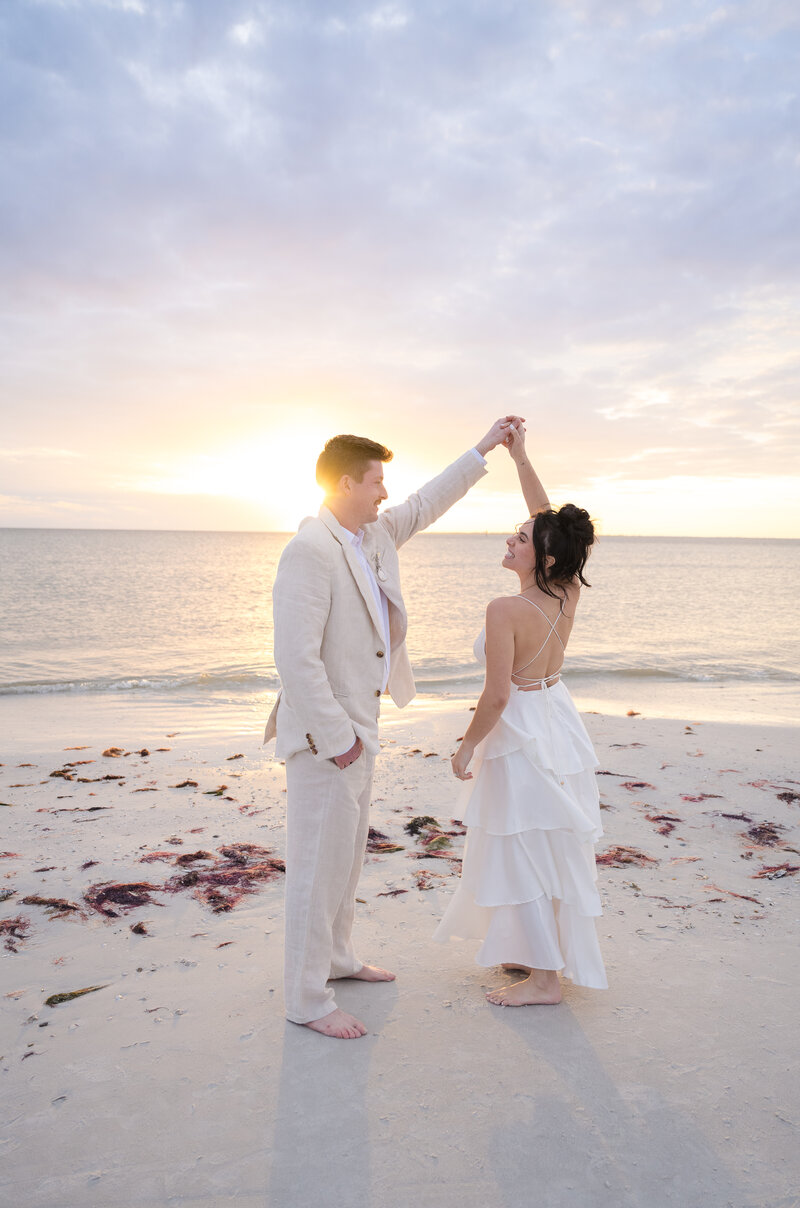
180	1083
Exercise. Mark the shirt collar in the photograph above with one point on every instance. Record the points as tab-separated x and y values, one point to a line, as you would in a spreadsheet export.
344	534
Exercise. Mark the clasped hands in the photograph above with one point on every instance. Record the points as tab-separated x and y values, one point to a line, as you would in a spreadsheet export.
500	433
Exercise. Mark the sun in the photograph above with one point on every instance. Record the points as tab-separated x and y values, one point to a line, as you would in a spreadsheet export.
274	470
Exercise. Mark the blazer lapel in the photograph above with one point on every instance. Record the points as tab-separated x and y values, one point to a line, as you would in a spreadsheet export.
356	569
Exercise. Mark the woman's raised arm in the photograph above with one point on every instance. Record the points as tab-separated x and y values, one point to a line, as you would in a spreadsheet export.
532	489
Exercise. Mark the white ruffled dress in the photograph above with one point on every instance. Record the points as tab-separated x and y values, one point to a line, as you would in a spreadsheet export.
528	881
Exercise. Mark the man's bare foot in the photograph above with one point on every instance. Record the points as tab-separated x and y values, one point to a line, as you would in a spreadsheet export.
339	1025
542	988
371	973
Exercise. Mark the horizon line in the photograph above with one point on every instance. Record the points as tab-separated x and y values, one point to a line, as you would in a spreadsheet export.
39	528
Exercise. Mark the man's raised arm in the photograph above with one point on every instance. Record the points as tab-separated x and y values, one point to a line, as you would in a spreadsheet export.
436	497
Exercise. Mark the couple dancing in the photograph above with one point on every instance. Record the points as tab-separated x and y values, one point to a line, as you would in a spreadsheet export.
527	887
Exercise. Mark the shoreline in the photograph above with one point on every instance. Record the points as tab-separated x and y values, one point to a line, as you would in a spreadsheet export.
36	720
198	1091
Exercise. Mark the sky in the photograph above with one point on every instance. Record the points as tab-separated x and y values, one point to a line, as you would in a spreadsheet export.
231	230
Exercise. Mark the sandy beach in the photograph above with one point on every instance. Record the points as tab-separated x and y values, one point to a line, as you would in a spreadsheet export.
176	1081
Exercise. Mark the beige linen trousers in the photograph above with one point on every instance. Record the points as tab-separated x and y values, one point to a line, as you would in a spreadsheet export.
329	651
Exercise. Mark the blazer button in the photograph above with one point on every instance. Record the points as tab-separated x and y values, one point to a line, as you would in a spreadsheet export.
377	691
379	653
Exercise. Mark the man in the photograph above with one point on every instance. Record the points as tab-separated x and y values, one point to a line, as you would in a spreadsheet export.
340	627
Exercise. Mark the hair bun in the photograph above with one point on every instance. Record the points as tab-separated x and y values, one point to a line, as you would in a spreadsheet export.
576	520
562	540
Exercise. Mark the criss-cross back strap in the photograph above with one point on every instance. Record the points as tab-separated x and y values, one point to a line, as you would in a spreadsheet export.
553	630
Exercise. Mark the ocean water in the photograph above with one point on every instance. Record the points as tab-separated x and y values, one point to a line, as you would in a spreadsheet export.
696	626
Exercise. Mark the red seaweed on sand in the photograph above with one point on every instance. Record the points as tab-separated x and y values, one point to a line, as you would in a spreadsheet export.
667	822
621	857
377	841
430	834
425	879
126	895
422	822
765	834
14	931
773	872
245	867
731	893
244	853
57	908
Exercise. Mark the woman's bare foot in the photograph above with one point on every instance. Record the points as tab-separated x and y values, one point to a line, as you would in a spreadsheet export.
339	1025
371	973
542	988
512	966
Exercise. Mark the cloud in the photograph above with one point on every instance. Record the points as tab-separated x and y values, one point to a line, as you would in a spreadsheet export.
36	453
216	213
637	404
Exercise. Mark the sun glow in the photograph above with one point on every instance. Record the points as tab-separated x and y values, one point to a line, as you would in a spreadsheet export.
269	483
274	470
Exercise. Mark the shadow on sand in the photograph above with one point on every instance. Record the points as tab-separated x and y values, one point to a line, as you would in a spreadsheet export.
595	1140
321	1143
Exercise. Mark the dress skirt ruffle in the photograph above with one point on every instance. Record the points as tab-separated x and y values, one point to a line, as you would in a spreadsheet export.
528	882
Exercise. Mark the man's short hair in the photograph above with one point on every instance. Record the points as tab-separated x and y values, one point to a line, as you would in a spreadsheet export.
348	455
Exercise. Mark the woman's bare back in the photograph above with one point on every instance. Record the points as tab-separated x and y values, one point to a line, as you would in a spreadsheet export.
542	627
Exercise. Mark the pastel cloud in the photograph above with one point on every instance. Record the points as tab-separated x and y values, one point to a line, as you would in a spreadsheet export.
403	217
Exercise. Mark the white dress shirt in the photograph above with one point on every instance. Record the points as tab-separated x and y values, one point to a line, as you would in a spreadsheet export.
356	540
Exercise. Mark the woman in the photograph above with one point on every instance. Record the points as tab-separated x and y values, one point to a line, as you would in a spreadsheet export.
527	885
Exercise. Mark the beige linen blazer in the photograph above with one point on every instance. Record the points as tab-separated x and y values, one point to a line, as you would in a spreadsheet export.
329	643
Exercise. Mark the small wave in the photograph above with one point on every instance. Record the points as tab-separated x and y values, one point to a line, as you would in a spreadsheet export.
431	678
698	673
430	681
205	681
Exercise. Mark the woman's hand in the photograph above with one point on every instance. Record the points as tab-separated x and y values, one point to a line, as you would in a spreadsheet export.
498	433
515	442
460	762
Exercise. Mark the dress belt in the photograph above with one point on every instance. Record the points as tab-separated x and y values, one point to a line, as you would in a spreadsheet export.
538	685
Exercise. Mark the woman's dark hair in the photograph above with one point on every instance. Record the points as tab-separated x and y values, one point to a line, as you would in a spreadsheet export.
566	536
